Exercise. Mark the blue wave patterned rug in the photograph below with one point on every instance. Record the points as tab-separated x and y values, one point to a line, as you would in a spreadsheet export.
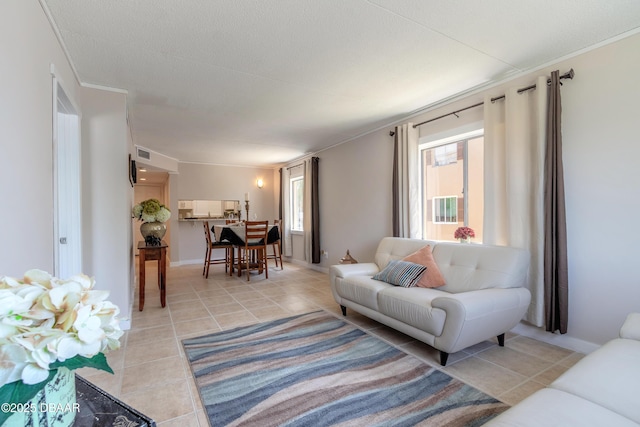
316	370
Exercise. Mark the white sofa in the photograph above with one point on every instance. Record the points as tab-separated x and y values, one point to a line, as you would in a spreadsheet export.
483	296
602	389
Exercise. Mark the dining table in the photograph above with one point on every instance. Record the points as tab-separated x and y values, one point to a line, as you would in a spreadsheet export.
235	234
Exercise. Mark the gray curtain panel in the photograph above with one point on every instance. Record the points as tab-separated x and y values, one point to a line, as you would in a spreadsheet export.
315	212
395	194
556	281
281	196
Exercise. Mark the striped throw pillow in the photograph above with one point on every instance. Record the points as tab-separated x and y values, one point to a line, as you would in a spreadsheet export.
401	273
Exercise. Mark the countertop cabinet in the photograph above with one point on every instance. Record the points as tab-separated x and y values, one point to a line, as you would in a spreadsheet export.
208	208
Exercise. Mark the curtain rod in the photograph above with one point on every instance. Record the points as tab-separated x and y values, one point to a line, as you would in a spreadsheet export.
568	75
295	166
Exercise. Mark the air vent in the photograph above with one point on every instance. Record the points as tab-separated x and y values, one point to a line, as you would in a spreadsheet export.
144	154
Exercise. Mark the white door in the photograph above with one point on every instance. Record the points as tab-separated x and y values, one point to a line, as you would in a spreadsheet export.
66	178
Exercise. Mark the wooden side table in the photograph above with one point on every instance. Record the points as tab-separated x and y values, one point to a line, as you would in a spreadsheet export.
153	253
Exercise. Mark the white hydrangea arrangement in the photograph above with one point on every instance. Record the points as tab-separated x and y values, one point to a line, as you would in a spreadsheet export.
151	210
47	323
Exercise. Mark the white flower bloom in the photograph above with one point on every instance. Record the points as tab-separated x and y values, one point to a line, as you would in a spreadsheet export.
38	276
13	359
7	331
35	342
89	326
147	217
163	215
69	346
44	319
66	295
12	303
65	347
8	283
94	297
137	211
33	374
83	280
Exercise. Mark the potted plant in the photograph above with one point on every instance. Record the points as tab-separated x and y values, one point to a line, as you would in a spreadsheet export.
154	215
464	234
48	328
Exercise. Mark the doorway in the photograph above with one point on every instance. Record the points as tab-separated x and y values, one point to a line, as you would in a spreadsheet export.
66	185
151	185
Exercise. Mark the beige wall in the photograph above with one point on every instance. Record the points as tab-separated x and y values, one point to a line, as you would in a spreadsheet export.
29	48
107	195
600	158
215	182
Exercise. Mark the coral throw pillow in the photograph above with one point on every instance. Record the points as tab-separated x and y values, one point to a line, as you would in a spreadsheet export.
432	278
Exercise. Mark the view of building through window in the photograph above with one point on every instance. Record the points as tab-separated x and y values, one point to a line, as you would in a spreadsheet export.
297	209
452	187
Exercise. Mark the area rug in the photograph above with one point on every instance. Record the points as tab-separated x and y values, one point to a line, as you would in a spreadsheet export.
317	370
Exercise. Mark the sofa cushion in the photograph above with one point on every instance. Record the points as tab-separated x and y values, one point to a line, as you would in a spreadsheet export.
470	267
391	248
555	408
606	377
401	273
361	289
413	306
432	278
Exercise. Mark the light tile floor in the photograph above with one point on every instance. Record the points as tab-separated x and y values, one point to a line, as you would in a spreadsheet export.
153	376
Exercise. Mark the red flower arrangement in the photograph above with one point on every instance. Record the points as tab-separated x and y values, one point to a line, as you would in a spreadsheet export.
464	233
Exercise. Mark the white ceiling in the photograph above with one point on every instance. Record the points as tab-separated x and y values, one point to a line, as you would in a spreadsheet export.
261	82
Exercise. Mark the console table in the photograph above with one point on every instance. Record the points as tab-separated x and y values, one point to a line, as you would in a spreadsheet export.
151	253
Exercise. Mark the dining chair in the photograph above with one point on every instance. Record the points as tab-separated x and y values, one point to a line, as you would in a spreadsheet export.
275	246
253	254
211	245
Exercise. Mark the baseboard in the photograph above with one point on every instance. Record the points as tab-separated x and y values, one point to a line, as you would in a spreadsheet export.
185	262
307	265
564	341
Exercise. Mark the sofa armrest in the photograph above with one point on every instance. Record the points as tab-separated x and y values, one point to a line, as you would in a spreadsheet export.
346	270
480	303
475	316
631	327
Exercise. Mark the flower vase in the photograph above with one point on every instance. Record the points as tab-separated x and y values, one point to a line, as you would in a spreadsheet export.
153	232
465	240
54	405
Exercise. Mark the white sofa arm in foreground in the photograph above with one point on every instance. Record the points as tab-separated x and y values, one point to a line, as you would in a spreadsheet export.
602	389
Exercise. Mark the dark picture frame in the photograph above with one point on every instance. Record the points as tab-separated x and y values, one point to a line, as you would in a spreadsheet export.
132	171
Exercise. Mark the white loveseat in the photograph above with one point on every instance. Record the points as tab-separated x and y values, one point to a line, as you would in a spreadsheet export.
602	389
483	296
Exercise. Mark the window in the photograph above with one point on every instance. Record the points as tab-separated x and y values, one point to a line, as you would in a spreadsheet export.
445	210
446	154
297	207
452	185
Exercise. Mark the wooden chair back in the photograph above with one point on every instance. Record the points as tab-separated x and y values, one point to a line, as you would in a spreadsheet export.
207	232
255	233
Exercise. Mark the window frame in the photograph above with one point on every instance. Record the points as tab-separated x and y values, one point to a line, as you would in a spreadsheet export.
293	181
431	142
434	209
